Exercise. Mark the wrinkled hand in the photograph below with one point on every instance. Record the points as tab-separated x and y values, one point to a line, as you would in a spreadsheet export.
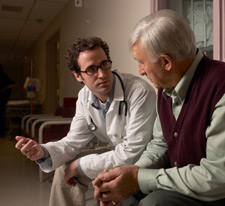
116	185
71	172
30	148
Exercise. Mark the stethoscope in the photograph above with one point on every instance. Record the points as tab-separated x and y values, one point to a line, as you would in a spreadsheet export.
91	125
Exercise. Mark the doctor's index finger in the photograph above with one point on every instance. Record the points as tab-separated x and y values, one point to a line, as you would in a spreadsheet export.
21	141
19	138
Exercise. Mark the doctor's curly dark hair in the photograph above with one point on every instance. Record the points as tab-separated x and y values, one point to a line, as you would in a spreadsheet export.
82	45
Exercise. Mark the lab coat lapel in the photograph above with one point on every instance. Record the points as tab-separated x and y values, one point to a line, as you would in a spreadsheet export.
113	120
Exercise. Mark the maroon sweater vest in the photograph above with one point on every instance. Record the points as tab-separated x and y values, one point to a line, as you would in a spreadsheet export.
185	137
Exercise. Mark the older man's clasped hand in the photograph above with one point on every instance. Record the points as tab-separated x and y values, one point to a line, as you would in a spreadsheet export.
106	185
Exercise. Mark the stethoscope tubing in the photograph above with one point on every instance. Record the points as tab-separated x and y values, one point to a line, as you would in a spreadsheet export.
91	126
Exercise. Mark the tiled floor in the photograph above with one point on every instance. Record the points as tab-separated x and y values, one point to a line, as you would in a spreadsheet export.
19	183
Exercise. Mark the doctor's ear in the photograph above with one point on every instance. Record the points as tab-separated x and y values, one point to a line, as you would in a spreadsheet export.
78	77
166	62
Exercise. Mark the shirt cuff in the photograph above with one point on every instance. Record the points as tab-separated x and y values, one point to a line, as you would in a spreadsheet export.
79	168
147	180
47	159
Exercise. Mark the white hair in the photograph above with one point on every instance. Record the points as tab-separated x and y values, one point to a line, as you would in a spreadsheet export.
164	32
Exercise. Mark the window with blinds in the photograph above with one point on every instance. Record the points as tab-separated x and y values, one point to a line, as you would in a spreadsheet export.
199	14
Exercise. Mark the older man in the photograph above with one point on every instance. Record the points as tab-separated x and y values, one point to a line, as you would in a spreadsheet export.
189	128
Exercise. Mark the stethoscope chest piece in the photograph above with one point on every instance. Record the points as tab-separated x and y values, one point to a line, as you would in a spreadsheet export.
92	126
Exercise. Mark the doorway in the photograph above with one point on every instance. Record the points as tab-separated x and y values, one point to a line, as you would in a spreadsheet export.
52	73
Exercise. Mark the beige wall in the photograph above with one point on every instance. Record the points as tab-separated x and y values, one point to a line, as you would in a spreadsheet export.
112	20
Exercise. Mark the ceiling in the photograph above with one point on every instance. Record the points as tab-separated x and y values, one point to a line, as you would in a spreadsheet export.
21	23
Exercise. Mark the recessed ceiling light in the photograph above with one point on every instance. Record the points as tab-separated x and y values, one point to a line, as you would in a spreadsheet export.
11	8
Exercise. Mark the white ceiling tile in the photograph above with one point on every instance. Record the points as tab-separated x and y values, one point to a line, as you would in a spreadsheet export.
27	39
10	25
6	37
5	46
46	10
32	26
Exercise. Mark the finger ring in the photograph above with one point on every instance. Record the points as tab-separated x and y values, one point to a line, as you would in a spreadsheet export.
113	203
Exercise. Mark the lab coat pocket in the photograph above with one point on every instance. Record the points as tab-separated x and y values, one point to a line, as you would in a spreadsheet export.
116	128
120	131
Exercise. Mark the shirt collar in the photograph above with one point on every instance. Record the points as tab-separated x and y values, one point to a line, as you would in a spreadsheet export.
95	101
180	90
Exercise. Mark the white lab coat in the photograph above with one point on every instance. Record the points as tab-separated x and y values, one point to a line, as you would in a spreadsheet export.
129	134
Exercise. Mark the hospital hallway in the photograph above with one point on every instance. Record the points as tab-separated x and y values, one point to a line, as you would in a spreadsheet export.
19	181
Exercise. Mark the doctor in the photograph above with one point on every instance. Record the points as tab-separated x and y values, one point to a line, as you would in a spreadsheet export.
117	109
